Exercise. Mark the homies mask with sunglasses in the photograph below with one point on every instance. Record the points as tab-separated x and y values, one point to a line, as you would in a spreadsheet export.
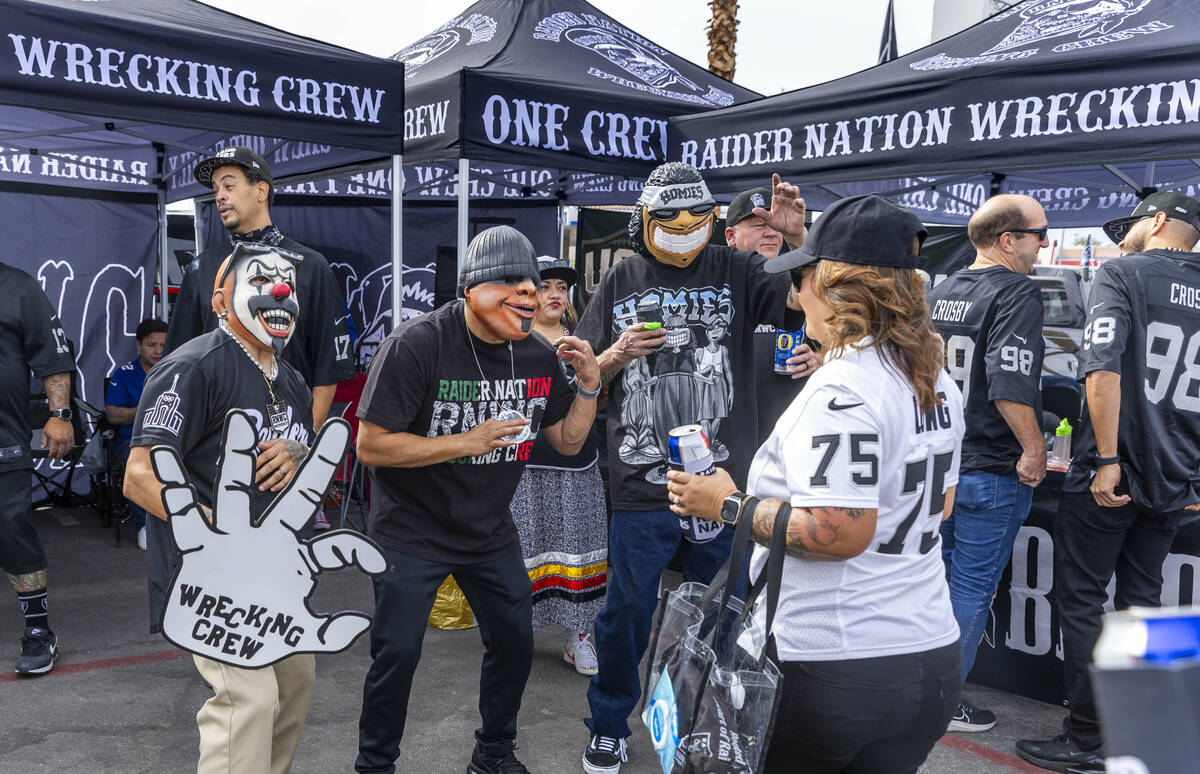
674	325
990	317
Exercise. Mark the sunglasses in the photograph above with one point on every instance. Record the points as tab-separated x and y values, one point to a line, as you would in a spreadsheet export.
1040	233
671	213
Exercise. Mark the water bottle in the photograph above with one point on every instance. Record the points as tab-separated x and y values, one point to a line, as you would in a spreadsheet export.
1060	452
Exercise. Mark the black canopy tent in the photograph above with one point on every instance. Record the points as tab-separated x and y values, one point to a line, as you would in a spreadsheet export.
1087	106
124	94
547	83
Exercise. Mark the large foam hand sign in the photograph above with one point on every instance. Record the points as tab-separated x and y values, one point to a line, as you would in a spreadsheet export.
241	594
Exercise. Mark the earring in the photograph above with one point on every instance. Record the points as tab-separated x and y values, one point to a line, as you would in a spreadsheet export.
223	315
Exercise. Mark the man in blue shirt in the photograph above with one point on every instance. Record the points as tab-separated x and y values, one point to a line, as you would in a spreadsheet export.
121	395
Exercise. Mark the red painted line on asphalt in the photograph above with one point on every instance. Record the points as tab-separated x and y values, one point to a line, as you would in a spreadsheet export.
988	754
104	663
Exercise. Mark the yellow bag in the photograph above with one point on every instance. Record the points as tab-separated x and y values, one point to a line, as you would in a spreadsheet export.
450	608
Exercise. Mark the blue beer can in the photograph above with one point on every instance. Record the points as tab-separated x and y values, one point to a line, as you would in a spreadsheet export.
785	341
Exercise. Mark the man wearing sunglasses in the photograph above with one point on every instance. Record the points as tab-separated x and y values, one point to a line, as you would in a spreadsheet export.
990	317
674	326
1137	449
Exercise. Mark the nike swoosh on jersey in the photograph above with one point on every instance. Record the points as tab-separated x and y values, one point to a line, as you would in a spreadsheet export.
338	320
835	406
1095	307
1022	338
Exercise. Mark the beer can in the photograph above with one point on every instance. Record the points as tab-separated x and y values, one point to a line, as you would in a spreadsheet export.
785	341
688	450
1147	635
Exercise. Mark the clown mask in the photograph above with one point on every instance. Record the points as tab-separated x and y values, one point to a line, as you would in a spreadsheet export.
677	221
507	308
258	285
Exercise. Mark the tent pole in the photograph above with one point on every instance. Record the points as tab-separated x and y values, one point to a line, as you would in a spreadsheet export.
397	239
464	180
160	185
196	226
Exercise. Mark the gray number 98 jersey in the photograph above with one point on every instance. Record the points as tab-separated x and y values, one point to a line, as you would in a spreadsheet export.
856	438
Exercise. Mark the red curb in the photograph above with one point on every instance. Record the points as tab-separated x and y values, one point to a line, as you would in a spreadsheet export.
987	753
104	663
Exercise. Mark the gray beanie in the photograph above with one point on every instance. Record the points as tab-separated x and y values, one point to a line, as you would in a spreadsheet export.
495	254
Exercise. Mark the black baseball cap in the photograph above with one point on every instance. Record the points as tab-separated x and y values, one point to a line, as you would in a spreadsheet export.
744	203
550	267
237	155
866	229
1175	205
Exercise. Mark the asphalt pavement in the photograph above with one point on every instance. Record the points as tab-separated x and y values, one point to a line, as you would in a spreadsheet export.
122	700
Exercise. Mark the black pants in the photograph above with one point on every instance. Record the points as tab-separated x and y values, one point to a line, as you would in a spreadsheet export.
20	549
499	592
864	716
1090	544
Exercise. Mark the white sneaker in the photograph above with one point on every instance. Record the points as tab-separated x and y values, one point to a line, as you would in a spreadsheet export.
580	653
141	538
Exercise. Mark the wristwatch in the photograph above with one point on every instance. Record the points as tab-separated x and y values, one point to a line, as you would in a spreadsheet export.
731	507
64	414
1101	461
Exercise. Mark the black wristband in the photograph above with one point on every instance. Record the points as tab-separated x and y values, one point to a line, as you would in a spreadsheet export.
1107	461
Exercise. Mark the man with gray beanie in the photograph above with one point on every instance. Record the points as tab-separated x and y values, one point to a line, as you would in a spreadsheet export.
453	403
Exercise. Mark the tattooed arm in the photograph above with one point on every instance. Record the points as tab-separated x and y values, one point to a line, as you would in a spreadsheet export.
58	435
820	532
817	532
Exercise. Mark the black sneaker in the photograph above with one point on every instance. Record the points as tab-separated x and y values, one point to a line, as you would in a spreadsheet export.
970	718
482	763
1059	754
604	755
39	651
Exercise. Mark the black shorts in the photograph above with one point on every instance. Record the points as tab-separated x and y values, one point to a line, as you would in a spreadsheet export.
20	550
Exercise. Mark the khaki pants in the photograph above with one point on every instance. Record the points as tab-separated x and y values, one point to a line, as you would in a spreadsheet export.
252	723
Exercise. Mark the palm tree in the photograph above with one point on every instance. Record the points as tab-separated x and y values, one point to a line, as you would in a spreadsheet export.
722	38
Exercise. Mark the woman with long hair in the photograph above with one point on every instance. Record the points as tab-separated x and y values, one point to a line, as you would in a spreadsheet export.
559	507
863	465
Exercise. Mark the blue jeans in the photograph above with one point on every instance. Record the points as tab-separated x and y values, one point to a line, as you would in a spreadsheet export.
977	541
640	545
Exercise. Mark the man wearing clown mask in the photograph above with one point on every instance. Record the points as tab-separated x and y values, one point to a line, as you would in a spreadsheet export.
453	402
651	314
254	720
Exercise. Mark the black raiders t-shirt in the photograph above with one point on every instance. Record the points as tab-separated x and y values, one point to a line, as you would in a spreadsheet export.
187	395
320	347
31	339
991	321
425	381
704	373
775	392
544	455
1143	322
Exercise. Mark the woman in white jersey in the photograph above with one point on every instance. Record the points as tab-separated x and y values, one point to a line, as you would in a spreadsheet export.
865	459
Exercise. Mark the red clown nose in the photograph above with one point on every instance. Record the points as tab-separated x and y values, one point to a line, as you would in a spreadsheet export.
281	291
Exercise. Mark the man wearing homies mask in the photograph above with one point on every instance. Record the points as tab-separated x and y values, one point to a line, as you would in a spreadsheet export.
254	719
707	298
453	403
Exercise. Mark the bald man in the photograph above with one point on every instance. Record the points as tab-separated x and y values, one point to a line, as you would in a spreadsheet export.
990	316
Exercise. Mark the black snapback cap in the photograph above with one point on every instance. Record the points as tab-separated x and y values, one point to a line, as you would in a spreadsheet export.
744	203
1175	205
237	155
866	229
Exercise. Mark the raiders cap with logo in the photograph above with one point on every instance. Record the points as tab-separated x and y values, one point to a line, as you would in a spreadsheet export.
744	203
238	155
1175	205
